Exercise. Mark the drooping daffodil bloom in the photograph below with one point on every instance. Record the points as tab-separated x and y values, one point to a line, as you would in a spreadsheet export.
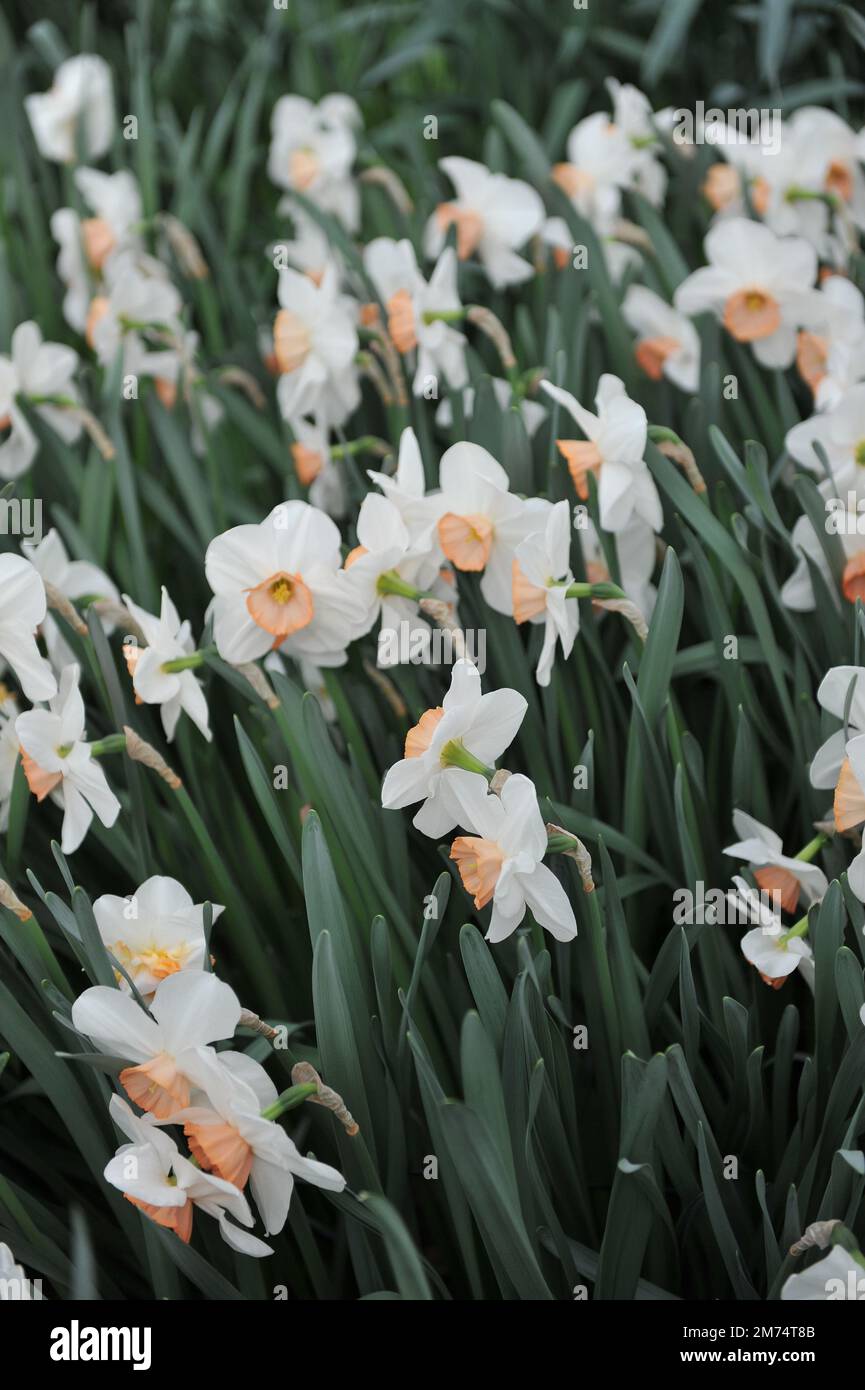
774	871
613	449
231	1136
312	150
22	608
58	761
500	861
87	243
541	575
159	675
189	1010
44	374
157	1178
481	522
75	579
494	217
315	344
420	313
668	344
468	728
75	117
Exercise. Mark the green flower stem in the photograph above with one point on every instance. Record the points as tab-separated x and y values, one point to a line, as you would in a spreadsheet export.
444	316
812	848
288	1100
455	754
65	402
186	663
112	743
390	583
367	444
800	929
141	326
808	195
560	844
600	591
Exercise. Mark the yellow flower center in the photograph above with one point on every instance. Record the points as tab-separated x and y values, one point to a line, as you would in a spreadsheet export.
281	590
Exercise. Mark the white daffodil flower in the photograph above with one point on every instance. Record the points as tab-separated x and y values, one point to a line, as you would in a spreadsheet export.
22	608
758	285
383	570
58	761
667	343
87	243
138	310
43	372
771	950
834	158
309	250
633	116
481	523
500	860
601	162
412	304
769	171
406	490
279	585
468	726
541	575
836	1277
843	519
9	752
775	871
636	556
316	467
840	433
312	150
493	215
231	1138
315	344
830	348
849	806
154	932
805	181
833	695
76	579
156	1177
613	450
190	1009
75	117
168	641
812	184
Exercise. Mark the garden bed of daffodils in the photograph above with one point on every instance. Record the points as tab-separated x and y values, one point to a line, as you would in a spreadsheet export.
432	735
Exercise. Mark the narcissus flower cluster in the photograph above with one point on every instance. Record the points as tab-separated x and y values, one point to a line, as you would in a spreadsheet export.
224	1101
